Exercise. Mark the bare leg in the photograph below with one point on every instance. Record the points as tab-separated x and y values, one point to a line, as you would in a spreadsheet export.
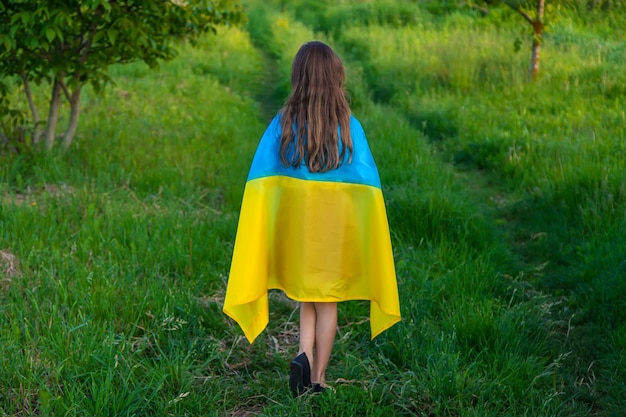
308	318
325	329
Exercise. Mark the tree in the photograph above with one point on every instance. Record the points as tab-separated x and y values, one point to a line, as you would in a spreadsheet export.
524	8
69	43
537	24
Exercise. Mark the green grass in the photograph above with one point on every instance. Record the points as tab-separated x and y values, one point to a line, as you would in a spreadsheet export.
506	202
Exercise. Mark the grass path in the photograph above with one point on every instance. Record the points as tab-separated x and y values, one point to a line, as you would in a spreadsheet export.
502	206
537	241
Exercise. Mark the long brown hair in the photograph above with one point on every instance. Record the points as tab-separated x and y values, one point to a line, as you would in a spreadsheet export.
316	116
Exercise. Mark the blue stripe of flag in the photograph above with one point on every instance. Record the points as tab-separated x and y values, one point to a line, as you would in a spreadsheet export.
361	170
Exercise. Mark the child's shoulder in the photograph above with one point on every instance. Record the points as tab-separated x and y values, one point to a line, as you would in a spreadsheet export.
276	119
274	126
356	129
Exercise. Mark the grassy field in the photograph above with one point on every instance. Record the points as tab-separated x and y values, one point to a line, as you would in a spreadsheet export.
506	201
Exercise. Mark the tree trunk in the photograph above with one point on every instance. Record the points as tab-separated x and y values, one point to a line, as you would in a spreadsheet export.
36	134
53	114
4	138
534	59
74	113
537	37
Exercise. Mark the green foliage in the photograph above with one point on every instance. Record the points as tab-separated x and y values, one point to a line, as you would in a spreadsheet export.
82	38
69	44
11	136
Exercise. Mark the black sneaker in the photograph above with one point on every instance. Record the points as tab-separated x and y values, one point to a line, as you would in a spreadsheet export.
299	375
317	388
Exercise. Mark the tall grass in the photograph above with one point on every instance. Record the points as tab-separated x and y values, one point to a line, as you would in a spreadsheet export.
505	200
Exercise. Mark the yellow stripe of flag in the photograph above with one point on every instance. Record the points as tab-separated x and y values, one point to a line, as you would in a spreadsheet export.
318	242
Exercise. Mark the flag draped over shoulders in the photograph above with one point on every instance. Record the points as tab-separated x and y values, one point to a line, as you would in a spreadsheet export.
319	237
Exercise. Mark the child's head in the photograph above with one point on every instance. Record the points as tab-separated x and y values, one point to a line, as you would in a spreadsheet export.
317	67
316	111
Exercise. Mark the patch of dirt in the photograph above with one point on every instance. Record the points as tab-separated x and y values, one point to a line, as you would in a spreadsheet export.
247	412
30	195
9	267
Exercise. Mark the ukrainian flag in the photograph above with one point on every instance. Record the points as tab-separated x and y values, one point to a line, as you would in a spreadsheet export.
319	237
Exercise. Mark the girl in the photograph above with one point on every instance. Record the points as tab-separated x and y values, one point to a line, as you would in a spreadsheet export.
313	222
